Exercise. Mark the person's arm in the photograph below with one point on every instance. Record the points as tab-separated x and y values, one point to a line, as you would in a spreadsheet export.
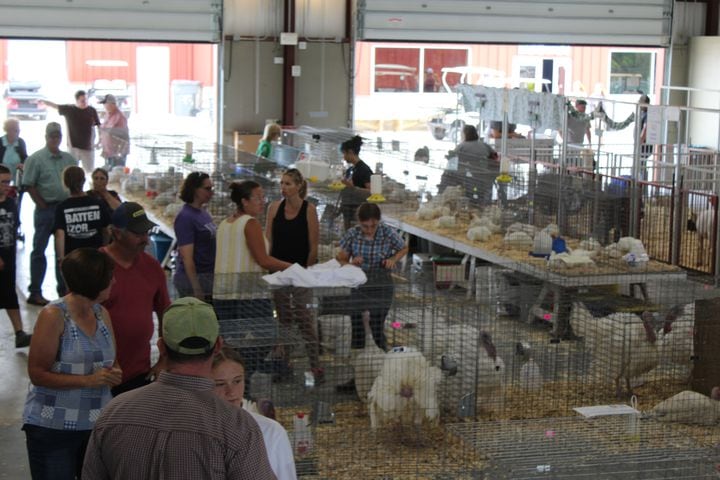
36	197
402	249
493	155
112	200
186	252
97	124
344	258
93	466
390	262
185	235
588	134
59	245
263	149
22	152
313	234
161	301
365	178
269	218
44	348
51	104
108	323
256	244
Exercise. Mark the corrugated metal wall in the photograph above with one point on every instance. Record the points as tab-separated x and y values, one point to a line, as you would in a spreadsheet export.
187	61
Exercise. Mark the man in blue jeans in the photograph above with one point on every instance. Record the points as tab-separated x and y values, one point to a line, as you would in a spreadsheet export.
42	179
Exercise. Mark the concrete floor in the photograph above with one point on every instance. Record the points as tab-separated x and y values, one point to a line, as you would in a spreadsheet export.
13	362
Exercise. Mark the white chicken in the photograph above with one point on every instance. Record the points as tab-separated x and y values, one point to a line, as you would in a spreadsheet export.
404	391
522	227
518	240
485	222
428	212
369	361
689	407
446	221
494	213
480	234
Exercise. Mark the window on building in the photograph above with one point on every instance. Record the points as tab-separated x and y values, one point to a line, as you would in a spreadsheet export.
416	69
396	69
435	59
632	72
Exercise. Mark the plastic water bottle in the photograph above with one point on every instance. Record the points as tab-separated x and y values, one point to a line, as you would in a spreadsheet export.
302	435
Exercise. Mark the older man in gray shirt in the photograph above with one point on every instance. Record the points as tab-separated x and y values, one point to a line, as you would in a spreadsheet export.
42	179
176	427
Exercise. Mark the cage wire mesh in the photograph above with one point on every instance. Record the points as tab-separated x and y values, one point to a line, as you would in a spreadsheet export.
614	447
516	340
454	358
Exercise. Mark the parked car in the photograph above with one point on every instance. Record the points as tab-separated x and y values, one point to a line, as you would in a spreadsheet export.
23	100
449	123
118	88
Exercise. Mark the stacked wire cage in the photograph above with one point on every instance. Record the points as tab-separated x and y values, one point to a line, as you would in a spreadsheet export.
463	361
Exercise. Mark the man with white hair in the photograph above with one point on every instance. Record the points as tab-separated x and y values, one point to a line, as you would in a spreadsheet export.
42	179
13	150
13	153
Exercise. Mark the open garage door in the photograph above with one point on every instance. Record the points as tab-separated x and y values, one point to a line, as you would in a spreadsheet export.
570	22
165	20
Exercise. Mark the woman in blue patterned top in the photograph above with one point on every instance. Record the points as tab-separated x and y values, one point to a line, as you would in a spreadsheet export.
72	367
376	248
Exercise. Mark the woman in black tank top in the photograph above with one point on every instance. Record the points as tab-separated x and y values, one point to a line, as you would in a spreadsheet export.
293	230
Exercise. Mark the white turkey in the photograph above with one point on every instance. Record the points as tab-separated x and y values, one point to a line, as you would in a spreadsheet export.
623	346
405	391
676	338
368	362
689	407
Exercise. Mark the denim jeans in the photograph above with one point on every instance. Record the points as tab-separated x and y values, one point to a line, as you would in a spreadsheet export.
55	454
43	220
375	296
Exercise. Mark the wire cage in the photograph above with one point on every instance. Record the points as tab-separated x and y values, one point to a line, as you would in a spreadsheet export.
448	357
517	342
615	447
